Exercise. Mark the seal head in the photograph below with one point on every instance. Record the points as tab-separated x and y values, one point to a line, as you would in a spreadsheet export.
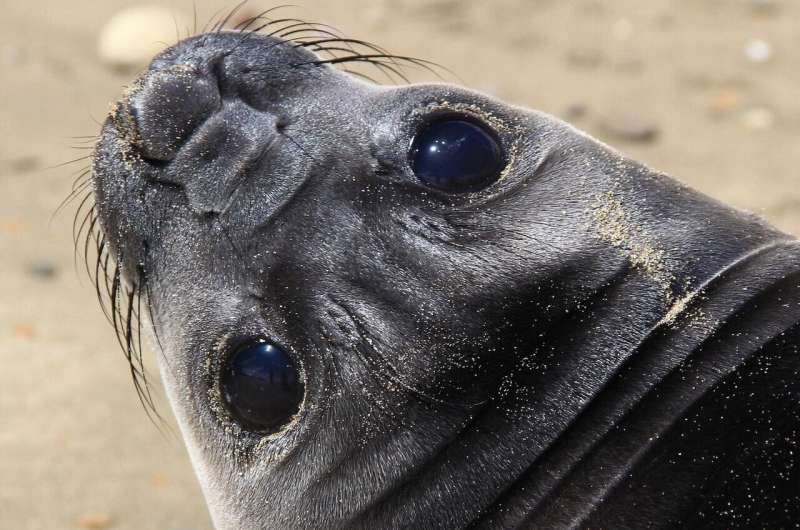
419	307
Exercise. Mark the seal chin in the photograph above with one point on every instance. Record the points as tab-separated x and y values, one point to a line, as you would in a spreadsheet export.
417	307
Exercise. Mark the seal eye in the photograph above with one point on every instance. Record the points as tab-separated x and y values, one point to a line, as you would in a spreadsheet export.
261	386
456	155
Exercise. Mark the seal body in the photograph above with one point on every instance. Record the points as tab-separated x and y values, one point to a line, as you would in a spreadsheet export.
582	343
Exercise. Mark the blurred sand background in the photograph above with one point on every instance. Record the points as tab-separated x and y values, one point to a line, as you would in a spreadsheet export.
707	90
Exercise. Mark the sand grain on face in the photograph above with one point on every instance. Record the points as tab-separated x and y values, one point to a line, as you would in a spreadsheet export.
615	226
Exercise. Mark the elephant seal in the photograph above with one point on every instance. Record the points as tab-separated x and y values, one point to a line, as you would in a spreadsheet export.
419	307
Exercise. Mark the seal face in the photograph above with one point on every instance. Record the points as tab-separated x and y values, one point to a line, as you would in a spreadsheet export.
418	307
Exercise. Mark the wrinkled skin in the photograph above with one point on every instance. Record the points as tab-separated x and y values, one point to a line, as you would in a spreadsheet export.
584	343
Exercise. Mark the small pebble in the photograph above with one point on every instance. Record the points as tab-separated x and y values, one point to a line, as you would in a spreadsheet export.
43	269
131	38
23	164
24	331
585	57
576	110
159	479
758	51
725	101
758	118
10	226
764	6
630	127
95	521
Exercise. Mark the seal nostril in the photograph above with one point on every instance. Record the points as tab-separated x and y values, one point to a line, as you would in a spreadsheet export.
261	386
168	106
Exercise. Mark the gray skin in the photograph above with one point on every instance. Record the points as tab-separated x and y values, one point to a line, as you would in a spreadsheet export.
584	343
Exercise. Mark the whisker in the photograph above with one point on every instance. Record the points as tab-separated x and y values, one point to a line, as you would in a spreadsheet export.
408	61
108	279
270	22
315	32
294	22
91	218
76	191
81	206
363	76
210	20
116	317
194	17
86	157
245	24
82	179
358	42
175	23
385	68
101	264
227	19
134	342
146	283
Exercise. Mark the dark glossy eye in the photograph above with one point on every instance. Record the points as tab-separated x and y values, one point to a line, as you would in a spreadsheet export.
456	155
261	386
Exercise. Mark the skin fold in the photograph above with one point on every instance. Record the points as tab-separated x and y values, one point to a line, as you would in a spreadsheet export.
584	343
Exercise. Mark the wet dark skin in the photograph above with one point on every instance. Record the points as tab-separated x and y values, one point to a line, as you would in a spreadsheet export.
419	307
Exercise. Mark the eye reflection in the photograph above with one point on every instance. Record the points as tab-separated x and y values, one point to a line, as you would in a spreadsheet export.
456	155
261	386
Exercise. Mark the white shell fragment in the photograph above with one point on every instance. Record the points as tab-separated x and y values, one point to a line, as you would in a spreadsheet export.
758	51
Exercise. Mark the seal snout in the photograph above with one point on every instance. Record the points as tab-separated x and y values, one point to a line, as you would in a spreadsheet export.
178	121
166	106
